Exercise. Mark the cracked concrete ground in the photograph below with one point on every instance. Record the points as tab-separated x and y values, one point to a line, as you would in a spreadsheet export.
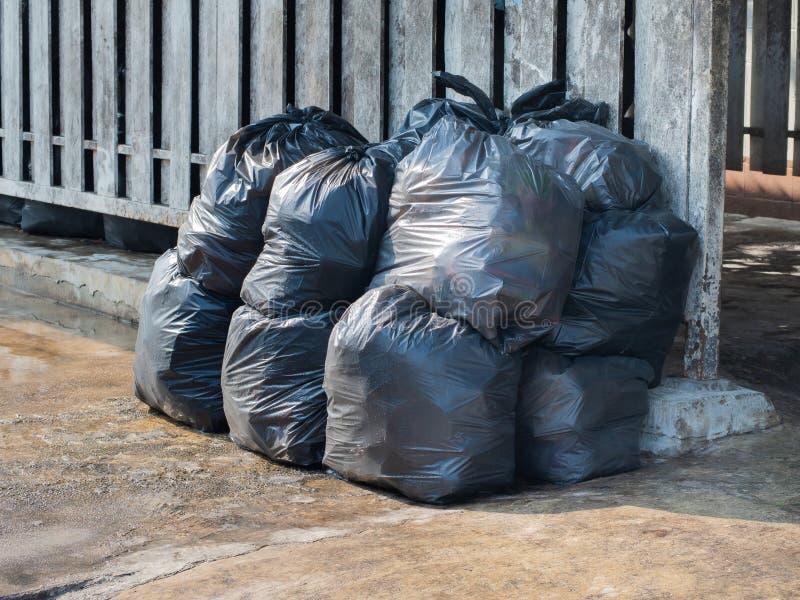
99	497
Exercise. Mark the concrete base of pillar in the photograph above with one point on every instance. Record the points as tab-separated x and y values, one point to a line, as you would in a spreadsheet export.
687	414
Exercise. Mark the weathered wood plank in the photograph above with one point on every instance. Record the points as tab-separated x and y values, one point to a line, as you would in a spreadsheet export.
362	66
104	95
71	88
268	58
313	55
736	90
530	45
469	42
11	72
41	91
683	119
207	78
111	205
139	99
412	35
769	93
595	53
178	105
229	67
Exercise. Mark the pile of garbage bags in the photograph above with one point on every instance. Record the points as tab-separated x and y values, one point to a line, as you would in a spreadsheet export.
325	219
484	296
216	248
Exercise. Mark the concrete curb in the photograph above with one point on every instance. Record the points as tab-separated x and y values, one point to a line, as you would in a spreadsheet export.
78	272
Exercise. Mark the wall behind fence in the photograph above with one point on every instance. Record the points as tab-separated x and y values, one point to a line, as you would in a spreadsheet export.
117	105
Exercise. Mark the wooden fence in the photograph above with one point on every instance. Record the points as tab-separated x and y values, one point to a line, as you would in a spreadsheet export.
116	105
771	97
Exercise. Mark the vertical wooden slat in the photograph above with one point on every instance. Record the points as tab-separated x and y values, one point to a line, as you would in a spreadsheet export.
104	95
313	55
595	53
11	71
139	98
412	35
207	73
178	101
71	86
684	121
530	45
229	67
219	71
268	57
736	89
769	95
468	42
362	66
41	91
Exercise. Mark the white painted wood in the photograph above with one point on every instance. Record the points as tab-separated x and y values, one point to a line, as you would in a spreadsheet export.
111	205
177	107
595	53
11	72
531	28
313	75
469	41
268	58
104	95
139	100
362	66
41	91
71	89
412	35
683	119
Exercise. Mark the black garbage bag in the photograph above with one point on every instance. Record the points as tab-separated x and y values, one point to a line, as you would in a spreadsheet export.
483	232
180	345
548	102
418	403
612	170
426	113
325	220
222	237
51	219
11	210
272	384
138	236
580	418
630	286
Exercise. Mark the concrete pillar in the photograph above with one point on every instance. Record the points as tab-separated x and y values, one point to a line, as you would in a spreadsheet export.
681	111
